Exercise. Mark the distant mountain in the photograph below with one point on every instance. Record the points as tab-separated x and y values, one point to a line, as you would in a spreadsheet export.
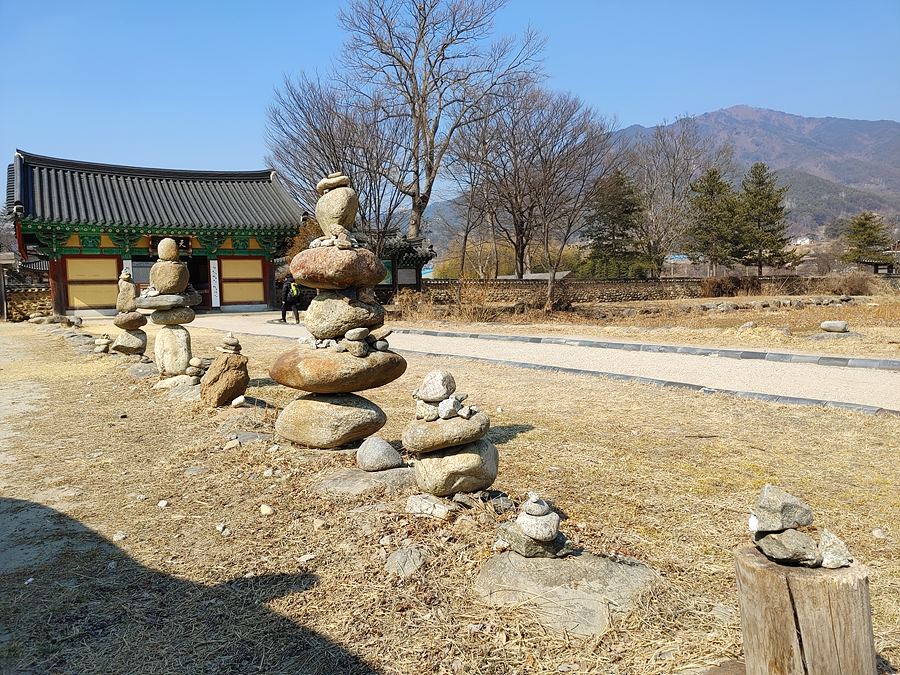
836	167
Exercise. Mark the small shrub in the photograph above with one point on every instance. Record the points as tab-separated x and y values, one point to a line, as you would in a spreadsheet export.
856	283
721	287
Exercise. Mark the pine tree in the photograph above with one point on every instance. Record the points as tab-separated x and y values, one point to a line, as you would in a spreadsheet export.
763	225
715	231
613	214
867	239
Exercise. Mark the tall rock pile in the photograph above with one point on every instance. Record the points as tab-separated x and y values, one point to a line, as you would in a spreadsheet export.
348	351
133	340
168	300
449	440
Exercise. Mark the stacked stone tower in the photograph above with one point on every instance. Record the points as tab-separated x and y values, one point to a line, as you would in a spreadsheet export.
348	350
168	300
133	340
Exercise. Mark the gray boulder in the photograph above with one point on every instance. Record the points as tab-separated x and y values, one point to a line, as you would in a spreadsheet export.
833	552
436	386
329	420
376	454
834	326
790	546
521	543
404	562
777	510
130	342
421	436
331	315
172	350
466	468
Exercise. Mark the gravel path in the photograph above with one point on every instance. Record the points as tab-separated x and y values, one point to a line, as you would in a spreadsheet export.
876	388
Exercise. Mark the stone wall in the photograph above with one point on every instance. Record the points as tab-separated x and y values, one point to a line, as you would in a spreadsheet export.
572	291
20	302
506	291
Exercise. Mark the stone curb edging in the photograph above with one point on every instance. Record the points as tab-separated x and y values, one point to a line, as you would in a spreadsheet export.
781	357
771	398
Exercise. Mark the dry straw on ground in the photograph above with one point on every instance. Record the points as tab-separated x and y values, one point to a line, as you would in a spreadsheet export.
665	476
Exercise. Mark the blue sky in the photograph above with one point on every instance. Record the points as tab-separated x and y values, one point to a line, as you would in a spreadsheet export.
185	83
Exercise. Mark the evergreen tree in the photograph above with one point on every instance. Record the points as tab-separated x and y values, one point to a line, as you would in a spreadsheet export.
715	231
763	226
867	239
611	221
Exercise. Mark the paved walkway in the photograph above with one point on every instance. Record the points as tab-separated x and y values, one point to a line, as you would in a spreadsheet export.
869	389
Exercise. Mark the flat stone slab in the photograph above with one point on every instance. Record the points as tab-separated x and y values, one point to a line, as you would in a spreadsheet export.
581	594
142	371
349	482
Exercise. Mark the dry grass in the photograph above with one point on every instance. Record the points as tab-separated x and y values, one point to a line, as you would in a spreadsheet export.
663	475
877	321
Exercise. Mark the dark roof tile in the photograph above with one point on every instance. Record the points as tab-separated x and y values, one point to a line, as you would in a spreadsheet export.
66	191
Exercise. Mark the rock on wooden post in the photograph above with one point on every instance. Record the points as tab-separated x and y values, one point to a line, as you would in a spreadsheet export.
801	621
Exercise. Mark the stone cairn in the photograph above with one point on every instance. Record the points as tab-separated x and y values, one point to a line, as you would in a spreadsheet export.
535	532
133	340
227	377
102	343
449	440
348	350
168	300
774	522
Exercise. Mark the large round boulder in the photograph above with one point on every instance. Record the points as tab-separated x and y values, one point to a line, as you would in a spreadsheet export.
172	317
331	314
330	267
329	420
326	371
168	276
226	379
129	320
468	468
131	342
421	436
172	350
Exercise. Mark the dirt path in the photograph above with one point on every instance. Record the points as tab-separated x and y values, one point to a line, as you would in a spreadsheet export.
880	389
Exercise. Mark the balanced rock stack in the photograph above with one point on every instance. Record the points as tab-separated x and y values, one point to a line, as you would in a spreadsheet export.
535	531
102	343
449	440
348	351
227	377
774	522
168	300
133	340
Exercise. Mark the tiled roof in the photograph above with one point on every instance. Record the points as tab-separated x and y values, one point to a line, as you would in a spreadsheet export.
70	192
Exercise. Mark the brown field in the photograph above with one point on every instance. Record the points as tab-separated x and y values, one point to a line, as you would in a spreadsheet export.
663	475
877	319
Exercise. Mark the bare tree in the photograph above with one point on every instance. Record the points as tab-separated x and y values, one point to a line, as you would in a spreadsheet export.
430	63
313	130
576	149
664	165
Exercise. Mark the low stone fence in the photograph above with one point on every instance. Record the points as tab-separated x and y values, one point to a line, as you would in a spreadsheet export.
22	301
573	291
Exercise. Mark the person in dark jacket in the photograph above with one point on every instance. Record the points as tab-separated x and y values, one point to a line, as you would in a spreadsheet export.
290	299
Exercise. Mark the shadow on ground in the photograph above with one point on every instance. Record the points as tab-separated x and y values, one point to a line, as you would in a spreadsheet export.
262	382
71	601
504	434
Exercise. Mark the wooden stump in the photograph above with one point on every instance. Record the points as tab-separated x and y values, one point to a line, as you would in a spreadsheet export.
800	621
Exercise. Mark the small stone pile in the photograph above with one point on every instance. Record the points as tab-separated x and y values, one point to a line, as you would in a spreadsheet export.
449	440
774	522
102	343
168	300
535	532
227	377
348	350
133	340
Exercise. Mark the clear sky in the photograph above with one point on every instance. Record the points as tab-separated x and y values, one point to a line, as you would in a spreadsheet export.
185	83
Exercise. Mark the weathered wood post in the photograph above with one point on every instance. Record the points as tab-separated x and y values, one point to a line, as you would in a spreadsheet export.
802	621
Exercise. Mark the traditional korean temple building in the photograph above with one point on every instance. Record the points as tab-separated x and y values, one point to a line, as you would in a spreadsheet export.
91	220
88	221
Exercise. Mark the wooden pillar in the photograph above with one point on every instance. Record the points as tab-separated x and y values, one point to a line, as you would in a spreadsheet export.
57	295
801	621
